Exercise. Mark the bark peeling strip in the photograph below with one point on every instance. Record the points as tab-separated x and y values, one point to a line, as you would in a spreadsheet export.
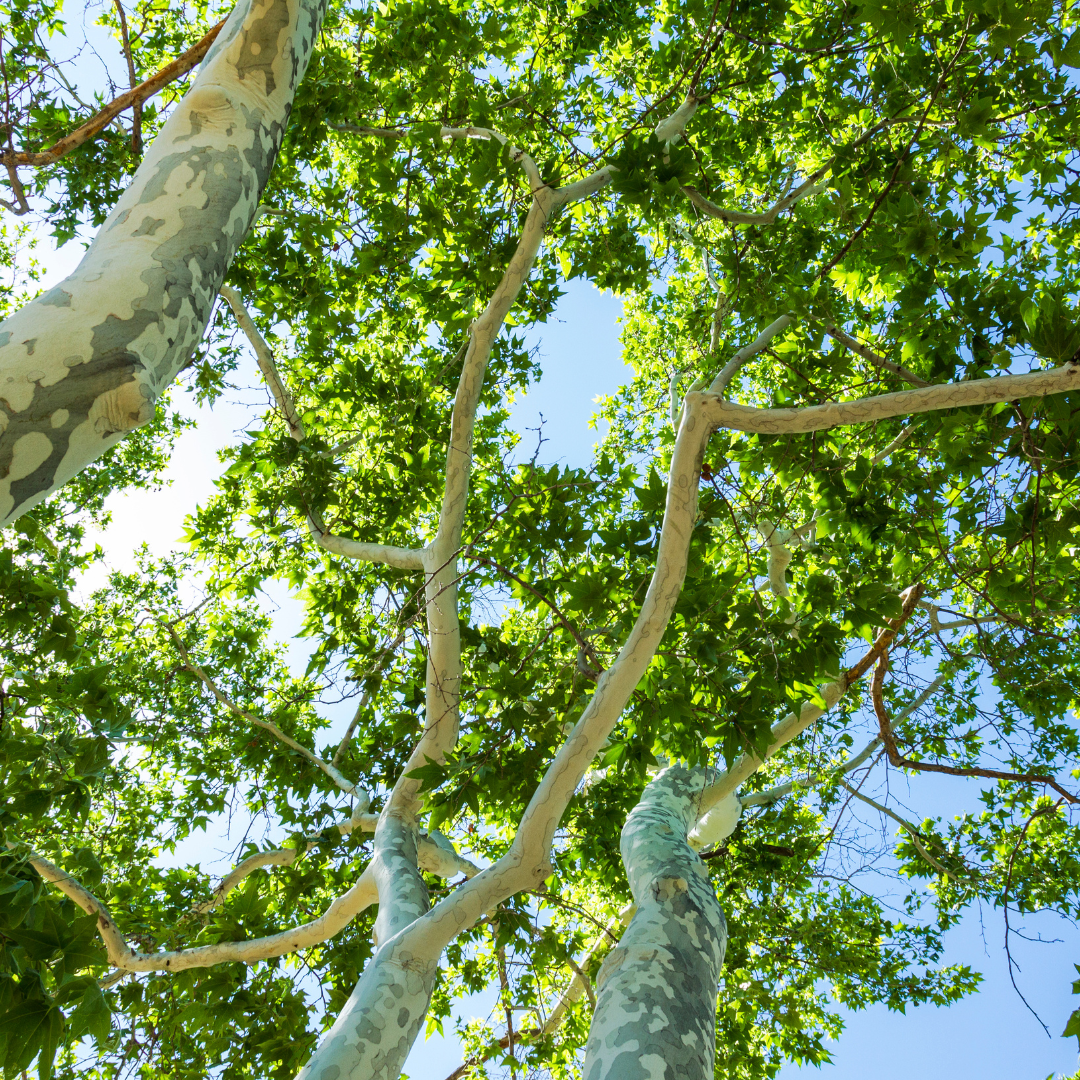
85	363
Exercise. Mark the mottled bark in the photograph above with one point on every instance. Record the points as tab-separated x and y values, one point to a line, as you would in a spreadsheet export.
379	1023
655	1016
86	362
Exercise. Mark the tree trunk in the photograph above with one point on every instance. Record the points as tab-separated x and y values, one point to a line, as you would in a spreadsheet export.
377	1027
86	362
655	1016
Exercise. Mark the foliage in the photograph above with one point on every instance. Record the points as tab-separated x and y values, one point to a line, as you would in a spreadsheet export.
948	236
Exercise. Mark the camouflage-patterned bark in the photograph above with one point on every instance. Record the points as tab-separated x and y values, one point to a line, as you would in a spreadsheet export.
85	363
655	1015
379	1023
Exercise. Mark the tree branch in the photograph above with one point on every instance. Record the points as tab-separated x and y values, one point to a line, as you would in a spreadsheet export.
727	414
720	383
912	831
583	645
332	771
787	729
136	109
888	738
435	855
134	97
402	558
740	217
868	354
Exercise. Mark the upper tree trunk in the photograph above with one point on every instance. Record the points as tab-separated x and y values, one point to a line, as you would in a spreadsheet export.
377	1027
85	363
655	1015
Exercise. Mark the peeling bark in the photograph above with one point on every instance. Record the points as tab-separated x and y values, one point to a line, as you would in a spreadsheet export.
655	1015
85	363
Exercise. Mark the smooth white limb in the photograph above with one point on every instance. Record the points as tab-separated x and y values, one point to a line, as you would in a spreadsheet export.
727	414
86	362
720	383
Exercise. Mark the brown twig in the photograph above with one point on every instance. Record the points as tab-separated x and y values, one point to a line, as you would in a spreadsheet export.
888	739
136	96
583	644
136	109
909	601
1005	904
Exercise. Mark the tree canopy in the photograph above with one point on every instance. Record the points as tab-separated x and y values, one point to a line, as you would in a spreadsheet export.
845	237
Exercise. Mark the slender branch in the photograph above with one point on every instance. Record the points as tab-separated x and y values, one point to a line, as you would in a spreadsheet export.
580	985
116	947
264	357
402	558
435	855
380	663
516	154
1005	905
136	96
740	217
332	771
912	831
359	821
583	645
136	109
787	729
899	441
868	354
888	738
774	794
727	414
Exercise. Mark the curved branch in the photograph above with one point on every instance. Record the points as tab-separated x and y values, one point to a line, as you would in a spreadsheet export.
787	729
912	831
402	558
888	738
133	98
740	217
720	383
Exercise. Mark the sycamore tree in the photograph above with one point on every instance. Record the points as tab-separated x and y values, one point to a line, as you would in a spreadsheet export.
622	735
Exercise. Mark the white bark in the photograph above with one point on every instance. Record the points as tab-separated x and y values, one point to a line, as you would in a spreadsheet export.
435	855
375	1030
720	383
372	1035
439	557
86	362
727	414
655	1016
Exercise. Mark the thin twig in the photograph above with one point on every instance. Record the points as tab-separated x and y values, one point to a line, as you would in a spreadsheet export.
888	737
136	109
266	725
